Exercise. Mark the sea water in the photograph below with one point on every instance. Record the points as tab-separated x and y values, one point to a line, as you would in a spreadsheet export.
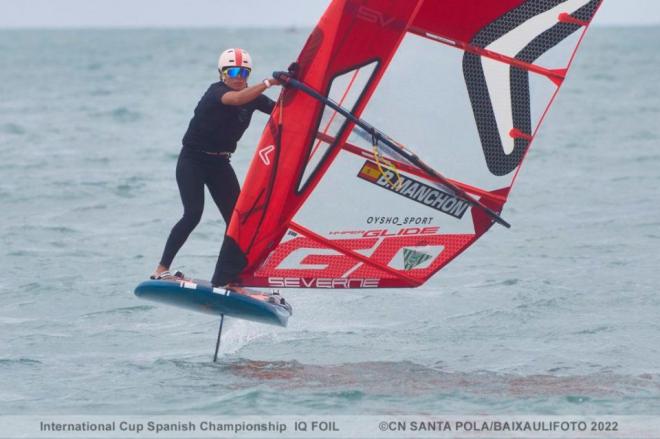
558	315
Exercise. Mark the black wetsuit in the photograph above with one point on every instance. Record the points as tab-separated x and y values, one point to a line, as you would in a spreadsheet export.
215	128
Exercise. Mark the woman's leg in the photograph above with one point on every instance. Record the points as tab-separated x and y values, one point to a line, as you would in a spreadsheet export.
224	188
189	177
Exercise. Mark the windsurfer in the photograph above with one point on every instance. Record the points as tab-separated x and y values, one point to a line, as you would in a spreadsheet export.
220	119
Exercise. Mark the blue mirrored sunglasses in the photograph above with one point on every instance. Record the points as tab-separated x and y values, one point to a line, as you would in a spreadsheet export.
235	72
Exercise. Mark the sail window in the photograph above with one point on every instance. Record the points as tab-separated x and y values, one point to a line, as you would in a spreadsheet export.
346	89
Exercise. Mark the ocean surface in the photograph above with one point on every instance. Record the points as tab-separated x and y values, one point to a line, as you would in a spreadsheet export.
558	315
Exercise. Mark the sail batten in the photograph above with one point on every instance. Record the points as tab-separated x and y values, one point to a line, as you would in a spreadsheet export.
552	74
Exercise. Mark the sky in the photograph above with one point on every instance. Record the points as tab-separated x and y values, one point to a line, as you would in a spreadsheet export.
229	13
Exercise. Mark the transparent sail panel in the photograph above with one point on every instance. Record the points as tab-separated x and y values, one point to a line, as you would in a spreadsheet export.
477	116
345	89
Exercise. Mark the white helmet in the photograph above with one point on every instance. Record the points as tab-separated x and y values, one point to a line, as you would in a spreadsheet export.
234	58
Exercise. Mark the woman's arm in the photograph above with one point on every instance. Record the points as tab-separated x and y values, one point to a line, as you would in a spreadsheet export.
248	94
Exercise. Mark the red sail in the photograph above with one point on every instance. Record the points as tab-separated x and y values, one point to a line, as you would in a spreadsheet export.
320	209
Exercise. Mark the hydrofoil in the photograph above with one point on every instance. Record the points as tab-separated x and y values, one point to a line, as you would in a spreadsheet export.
234	301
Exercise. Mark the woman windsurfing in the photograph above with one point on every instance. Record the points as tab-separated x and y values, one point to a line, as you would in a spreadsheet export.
220	119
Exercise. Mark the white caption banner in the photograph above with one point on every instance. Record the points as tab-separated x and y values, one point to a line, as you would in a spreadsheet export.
328	426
